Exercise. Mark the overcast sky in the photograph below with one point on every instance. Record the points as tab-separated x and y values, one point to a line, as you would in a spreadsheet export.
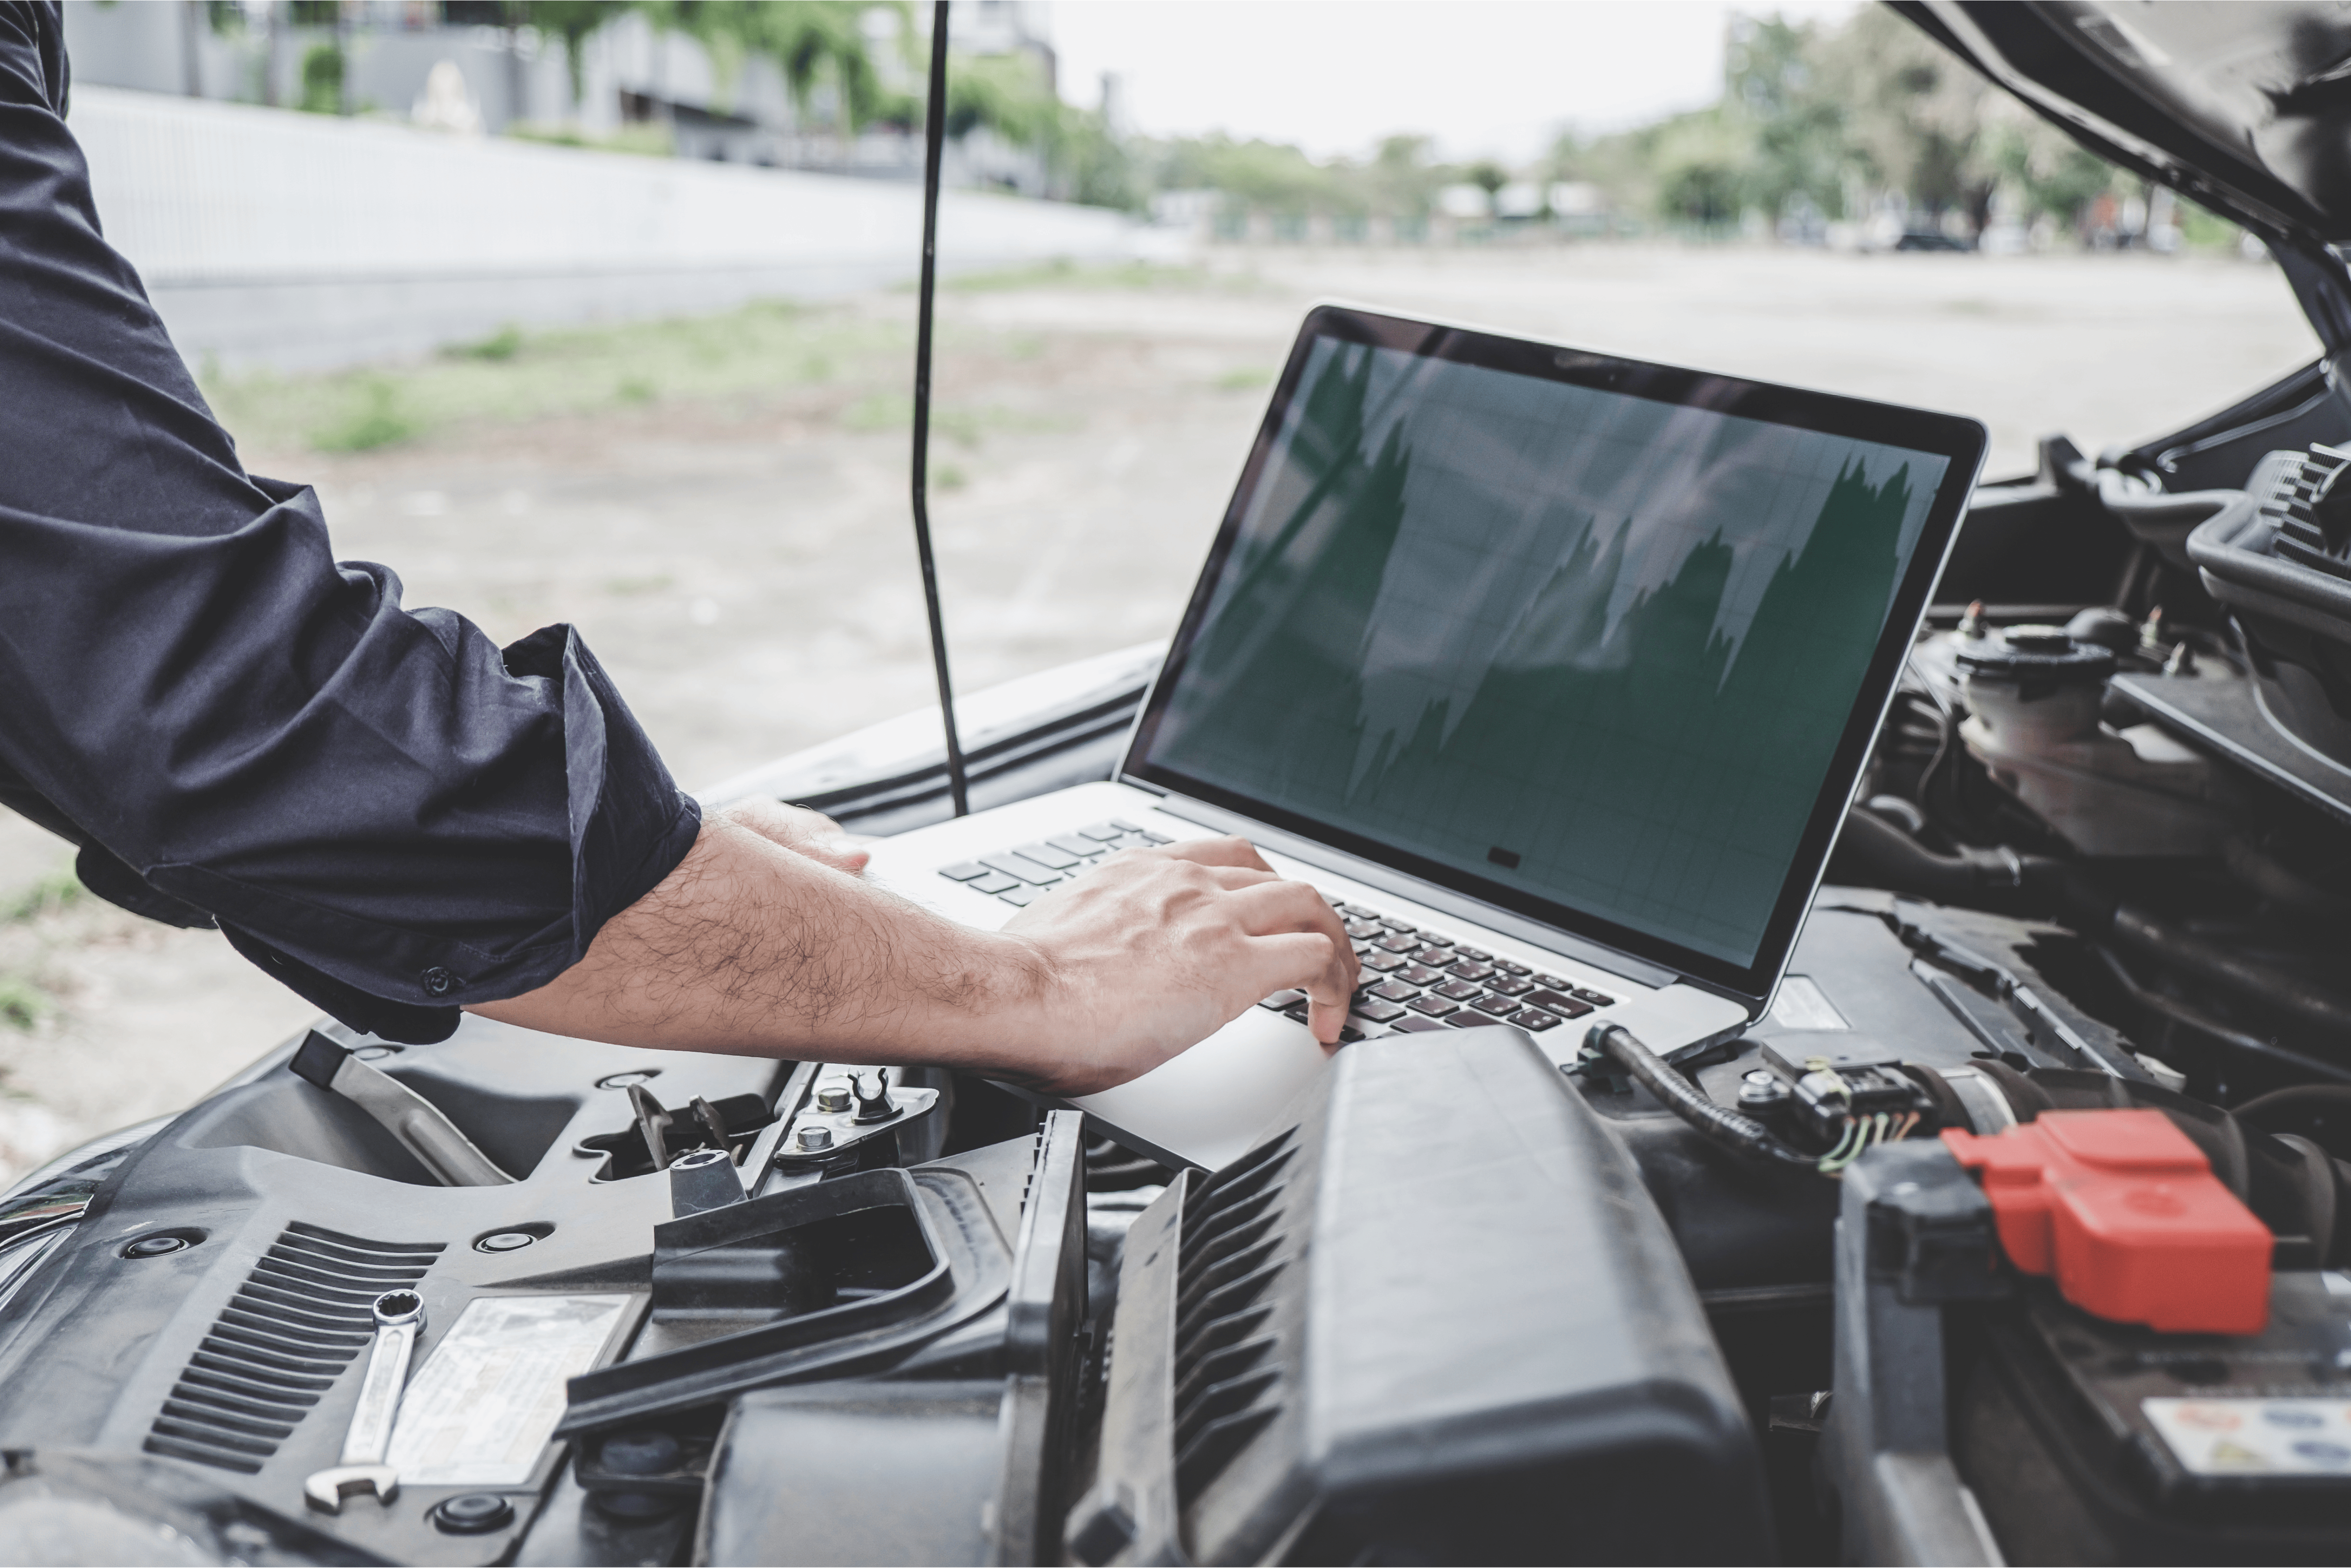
1484	76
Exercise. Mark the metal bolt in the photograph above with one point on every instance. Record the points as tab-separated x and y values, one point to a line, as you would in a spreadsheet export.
155	1246
472	1513
814	1138
624	1080
505	1241
832	1097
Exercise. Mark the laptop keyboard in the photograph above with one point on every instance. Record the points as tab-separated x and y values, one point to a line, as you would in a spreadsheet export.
1415	979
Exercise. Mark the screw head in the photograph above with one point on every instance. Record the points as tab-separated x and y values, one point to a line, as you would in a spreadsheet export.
155	1246
505	1241
815	1138
376	1053
624	1080
832	1097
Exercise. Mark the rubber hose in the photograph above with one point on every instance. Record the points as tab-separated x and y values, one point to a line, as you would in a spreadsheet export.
1727	1127
2263	983
1883	855
2302	1097
1892	859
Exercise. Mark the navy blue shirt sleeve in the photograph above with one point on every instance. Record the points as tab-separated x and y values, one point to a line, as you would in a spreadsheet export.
381	807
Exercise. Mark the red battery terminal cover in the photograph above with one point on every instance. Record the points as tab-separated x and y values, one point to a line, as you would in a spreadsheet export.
2124	1210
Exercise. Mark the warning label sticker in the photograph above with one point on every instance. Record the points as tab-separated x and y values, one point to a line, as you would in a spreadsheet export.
481	1410
2256	1436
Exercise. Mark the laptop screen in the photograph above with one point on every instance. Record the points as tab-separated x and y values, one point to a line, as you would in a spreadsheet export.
1587	644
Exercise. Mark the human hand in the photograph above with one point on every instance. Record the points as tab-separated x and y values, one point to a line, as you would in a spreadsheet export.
800	829
1155	949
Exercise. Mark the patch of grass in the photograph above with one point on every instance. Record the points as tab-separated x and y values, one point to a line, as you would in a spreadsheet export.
650	140
759	350
23	1005
1244	381
371	416
502	344
1063	273
58	889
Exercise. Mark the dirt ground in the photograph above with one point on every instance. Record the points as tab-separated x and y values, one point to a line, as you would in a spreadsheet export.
744	565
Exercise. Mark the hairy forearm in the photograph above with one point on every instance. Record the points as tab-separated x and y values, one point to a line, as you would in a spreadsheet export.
755	948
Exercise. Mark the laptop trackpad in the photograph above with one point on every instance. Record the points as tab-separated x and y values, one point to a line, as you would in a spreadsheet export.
1207	1106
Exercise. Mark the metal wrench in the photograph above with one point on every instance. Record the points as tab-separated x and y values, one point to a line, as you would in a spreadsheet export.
399	1317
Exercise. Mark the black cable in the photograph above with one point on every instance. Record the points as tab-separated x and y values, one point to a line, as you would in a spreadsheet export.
1727	1128
934	126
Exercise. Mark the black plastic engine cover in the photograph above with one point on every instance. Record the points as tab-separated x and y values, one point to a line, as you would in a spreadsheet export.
1434	1318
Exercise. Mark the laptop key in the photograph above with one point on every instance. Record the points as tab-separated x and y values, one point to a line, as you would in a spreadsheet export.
1554	982
1396	943
1028	871
1362	930
1478	954
1510	985
992	882
1458	990
1469	969
1434	940
1597	998
1392	991
1565	1006
1021	897
1349	1034
1281	999
1510	968
1435	1006
1046	855
1409	1024
1102	832
1440	957
1419	974
1501	1007
1467	1020
1157	839
1072	844
1401	928
1534	1020
962	870
1379	1012
1356	912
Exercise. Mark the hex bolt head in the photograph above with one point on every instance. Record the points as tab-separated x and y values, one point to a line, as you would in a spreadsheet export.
155	1246
814	1138
833	1098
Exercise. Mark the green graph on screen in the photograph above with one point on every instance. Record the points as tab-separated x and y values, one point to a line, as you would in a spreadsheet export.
1598	648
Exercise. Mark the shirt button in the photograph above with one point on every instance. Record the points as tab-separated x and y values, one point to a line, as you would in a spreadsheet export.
438	981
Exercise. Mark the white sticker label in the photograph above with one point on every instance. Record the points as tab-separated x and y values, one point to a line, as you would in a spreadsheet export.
2256	1436
481	1410
1800	1004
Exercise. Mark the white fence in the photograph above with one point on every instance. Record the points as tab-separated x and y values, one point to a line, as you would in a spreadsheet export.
293	240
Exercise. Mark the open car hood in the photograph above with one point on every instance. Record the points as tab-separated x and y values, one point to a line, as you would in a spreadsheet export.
2243	106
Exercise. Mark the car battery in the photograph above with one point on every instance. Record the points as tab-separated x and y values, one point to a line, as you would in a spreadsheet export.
2088	1440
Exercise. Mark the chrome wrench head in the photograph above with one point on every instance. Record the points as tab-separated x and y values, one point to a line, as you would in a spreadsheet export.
399	1315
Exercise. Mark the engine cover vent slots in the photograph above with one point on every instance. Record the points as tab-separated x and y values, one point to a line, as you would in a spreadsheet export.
2313	522
1228	1380
297	1322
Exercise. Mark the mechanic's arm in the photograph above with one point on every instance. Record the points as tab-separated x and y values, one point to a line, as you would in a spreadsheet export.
764	940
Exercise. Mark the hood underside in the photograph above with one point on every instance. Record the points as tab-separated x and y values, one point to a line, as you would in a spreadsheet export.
2243	106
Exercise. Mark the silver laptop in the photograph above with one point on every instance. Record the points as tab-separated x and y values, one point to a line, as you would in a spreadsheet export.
1554	672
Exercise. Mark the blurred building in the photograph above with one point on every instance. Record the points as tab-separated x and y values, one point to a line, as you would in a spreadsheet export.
460	66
